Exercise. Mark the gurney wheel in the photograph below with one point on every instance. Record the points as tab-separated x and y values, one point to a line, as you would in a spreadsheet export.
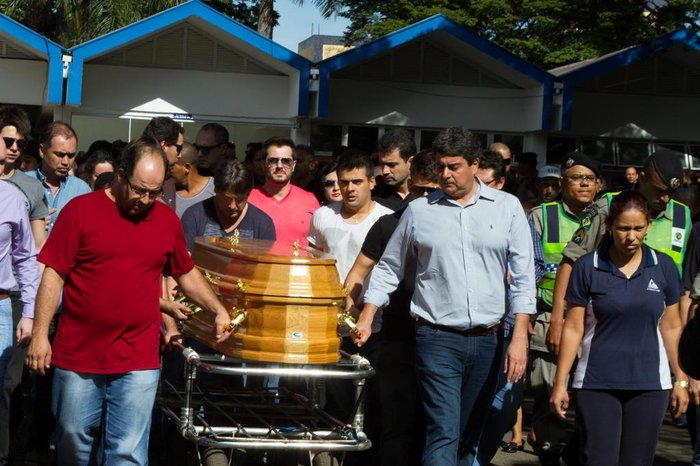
214	457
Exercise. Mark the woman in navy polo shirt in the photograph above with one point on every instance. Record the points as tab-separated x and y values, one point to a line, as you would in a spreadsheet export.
623	311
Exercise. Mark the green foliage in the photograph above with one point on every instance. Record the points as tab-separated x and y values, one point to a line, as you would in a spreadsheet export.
547	32
71	22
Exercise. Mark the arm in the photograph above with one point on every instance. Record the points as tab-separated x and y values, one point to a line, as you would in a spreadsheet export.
556	322
39	354
356	277
670	328
39	232
26	268
195	287
571	337
516	356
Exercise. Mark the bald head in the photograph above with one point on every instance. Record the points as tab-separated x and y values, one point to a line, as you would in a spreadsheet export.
503	151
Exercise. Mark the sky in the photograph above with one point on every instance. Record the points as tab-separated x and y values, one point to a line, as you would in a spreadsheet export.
295	23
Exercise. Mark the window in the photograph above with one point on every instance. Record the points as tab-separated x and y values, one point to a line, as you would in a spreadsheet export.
678	149
632	153
326	138
558	147
599	149
695	157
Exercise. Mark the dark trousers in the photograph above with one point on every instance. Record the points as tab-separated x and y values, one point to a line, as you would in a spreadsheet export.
456	379
620	426
11	397
403	421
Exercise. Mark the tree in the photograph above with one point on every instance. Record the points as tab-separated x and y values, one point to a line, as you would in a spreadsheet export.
547	32
267	16
72	22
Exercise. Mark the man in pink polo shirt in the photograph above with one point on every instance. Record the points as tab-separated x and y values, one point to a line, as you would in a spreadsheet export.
289	206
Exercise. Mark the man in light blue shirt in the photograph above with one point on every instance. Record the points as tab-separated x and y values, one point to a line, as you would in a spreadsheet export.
58	146
464	238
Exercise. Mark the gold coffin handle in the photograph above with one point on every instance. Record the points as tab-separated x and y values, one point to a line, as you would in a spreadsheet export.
181	298
237	318
345	319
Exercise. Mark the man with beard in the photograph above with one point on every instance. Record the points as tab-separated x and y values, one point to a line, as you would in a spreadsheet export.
395	149
107	254
289	206
229	210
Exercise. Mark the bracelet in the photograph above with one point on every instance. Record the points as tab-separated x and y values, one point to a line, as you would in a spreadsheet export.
681	383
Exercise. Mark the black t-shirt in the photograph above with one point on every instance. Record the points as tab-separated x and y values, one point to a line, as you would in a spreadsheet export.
397	324
386	196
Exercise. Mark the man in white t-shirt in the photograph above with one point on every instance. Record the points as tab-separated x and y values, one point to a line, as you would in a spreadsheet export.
339	229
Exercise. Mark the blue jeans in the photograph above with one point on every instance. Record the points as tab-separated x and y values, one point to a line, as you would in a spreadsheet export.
103	419
6	335
502	413
456	377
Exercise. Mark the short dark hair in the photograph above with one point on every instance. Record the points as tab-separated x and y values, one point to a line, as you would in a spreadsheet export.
56	128
306	148
352	159
188	154
491	160
458	142
280	141
327	168
423	164
163	129
136	150
96	158
233	176
397	139
220	133
11	115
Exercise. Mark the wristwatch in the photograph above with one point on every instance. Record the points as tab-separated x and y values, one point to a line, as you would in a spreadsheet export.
681	383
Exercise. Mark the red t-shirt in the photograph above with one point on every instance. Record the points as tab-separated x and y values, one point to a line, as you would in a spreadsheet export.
110	316
291	215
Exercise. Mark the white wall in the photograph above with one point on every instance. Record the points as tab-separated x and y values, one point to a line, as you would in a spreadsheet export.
206	95
423	105
664	117
23	81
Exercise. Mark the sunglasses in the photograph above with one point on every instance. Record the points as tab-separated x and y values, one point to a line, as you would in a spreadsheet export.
178	147
330	183
273	161
204	150
506	162
21	143
422	190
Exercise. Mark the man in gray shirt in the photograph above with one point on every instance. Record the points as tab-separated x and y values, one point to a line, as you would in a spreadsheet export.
464	238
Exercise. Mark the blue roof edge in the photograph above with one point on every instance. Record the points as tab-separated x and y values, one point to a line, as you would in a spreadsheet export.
414	31
43	46
617	61
174	15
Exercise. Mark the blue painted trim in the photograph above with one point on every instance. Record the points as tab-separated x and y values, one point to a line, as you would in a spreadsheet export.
410	33
618	61
45	49
148	26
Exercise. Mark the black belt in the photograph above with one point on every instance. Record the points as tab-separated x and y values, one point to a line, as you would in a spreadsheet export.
470	332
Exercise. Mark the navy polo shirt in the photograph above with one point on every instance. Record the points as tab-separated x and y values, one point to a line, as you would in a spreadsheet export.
622	346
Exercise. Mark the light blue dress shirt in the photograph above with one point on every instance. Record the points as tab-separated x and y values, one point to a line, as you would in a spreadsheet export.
70	187
462	255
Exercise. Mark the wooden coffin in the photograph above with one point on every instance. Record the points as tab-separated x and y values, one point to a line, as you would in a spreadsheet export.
291	298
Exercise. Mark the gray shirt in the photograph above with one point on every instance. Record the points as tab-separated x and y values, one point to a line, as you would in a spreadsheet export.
184	203
33	192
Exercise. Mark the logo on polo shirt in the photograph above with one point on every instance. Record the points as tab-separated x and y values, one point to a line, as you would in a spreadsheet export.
652	286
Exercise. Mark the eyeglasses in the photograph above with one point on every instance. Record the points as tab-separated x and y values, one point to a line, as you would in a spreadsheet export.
204	150
506	162
140	192
286	161
489	182
418	191
330	183
580	178
21	143
178	147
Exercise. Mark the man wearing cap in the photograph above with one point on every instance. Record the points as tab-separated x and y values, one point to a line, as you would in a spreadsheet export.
548	183
555	222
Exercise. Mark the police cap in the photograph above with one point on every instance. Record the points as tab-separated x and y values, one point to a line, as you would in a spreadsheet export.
668	166
579	158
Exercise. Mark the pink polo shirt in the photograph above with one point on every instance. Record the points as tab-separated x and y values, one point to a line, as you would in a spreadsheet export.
291	215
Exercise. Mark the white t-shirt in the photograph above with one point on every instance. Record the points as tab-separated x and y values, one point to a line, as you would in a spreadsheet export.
331	233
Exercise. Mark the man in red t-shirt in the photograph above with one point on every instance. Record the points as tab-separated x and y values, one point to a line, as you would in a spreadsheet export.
289	206
107	253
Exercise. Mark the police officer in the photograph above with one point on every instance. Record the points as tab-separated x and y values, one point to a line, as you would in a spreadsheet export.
555	223
669	232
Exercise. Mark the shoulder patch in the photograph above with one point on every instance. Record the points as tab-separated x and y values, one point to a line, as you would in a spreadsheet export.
579	235
589	214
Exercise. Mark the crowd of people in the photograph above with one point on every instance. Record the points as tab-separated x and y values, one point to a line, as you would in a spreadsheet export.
471	278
